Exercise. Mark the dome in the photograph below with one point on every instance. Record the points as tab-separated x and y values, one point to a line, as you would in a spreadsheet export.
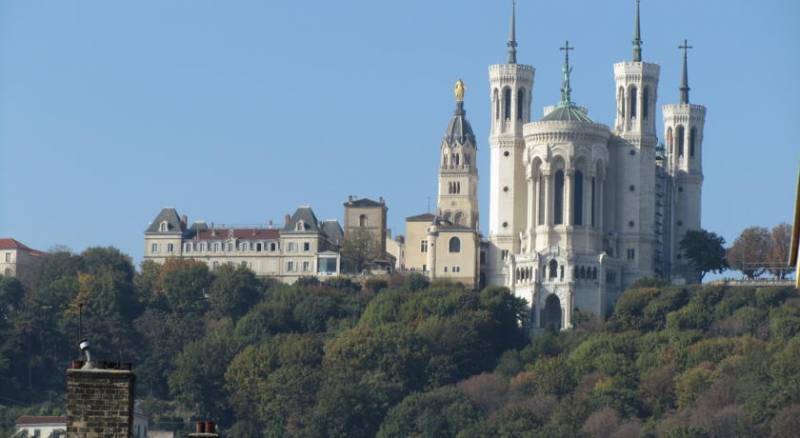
459	130
567	113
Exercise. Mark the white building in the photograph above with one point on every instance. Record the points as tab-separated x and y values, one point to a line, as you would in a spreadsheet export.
579	210
18	260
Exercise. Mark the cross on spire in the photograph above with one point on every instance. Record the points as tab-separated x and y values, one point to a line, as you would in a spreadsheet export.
512	36
685	76
566	91
637	36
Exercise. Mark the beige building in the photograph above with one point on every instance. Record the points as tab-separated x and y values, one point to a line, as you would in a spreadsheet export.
396	247
304	246
366	214
447	244
18	260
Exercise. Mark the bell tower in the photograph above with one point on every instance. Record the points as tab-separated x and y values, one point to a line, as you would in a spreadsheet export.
635	151
511	95
458	172
684	124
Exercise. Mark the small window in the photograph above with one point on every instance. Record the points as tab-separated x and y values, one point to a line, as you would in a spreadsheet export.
306	266
170	248
272	247
362	221
163	227
424	268
631	254
154	248
258	247
215	266
506	153
423	246
455	244
230	246
632	188
445	269
187	247
292	247
8	257
301	226
306	246
504	254
631	224
289	266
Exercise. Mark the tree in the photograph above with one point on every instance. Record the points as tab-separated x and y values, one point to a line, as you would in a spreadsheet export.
705	250
750	251
234	291
443	412
779	251
360	248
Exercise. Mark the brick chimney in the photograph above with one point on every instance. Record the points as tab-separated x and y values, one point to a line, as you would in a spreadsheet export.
99	399
205	429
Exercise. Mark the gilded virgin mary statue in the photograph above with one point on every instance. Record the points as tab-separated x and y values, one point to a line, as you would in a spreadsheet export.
459	90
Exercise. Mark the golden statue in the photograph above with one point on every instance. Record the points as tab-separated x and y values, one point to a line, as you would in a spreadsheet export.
459	90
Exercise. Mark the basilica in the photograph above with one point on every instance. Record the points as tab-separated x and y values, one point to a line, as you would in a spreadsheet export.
579	210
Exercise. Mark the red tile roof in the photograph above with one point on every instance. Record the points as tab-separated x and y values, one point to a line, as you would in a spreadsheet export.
31	419
239	233
8	243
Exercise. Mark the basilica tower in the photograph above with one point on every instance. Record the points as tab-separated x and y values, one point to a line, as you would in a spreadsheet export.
458	172
511	91
635	152
684	124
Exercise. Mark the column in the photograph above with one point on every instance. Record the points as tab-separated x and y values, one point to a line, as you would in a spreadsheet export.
531	211
548	198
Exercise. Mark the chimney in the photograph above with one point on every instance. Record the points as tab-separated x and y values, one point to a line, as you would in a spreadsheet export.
184	221
287	219
99	397
204	429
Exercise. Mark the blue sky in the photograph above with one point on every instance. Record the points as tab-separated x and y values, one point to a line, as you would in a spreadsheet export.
237	112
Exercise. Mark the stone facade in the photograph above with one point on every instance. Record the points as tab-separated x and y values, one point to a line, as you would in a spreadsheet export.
447	244
100	402
580	211
366	214
304	246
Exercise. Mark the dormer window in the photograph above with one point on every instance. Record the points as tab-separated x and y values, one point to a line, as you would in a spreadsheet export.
301	226
163	227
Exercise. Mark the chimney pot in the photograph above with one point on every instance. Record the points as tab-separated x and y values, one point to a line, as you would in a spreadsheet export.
287	218
210	427
200	427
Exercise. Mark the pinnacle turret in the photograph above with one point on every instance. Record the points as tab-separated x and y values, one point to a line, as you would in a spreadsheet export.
685	75
637	36
512	36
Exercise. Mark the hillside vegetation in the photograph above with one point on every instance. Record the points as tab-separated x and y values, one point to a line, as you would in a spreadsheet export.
402	357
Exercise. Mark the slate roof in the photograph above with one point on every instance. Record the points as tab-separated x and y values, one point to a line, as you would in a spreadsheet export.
363	202
459	130
173	222
425	217
567	113
334	231
305	214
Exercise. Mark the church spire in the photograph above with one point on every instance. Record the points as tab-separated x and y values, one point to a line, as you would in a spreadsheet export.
685	76
566	91
637	36
512	36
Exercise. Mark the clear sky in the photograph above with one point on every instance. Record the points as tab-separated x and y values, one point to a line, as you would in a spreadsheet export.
237	112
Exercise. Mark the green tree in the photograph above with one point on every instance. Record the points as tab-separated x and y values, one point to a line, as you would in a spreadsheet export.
234	291
705	250
443	412
781	237
184	284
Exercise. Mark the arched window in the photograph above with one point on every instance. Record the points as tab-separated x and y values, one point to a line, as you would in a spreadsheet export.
680	136
558	202
457	160
458	219
594	202
552	269
455	244
692	140
633	97
507	103
551	314
164	226
272	247
541	200
520	103
362	221
646	103
301	226
577	202
447	215
621	100
496	105
670	140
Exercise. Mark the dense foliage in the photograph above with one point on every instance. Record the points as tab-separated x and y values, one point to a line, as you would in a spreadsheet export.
402	357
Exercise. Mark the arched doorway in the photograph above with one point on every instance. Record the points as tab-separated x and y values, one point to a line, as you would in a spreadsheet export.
551	314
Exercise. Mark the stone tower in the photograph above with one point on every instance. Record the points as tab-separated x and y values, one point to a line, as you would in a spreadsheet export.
458	171
683	133
511	97
635	151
